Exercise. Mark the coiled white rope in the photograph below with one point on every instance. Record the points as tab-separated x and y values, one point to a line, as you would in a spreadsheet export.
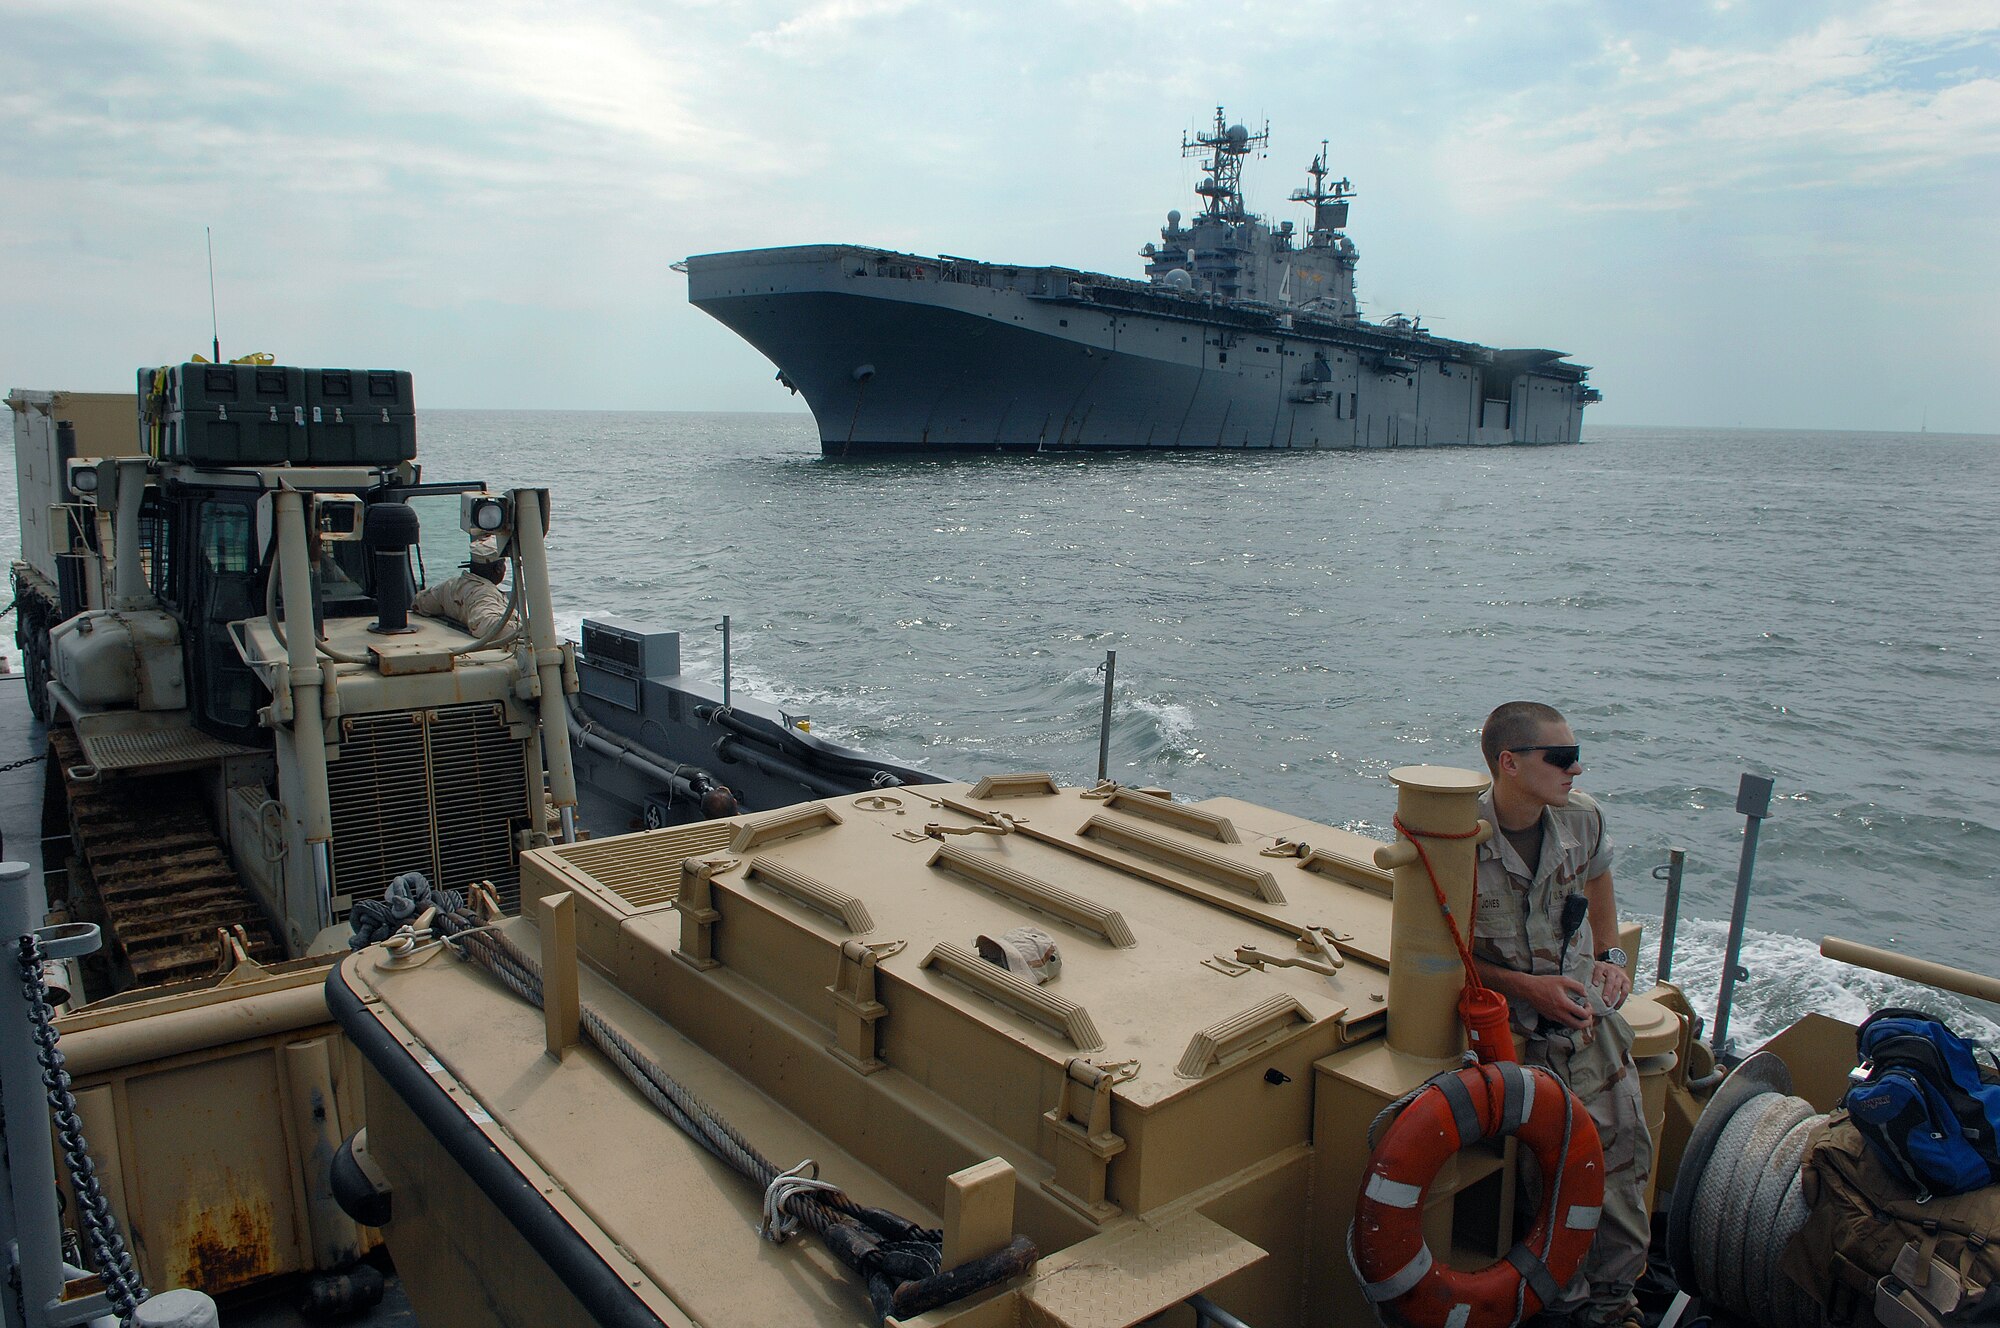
779	1223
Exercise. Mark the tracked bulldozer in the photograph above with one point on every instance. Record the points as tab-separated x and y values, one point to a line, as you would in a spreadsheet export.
249	729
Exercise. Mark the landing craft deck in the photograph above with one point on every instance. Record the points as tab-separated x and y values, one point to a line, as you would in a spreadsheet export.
1245	336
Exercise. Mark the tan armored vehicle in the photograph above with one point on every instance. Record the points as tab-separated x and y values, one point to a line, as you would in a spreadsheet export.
158	562
1152	1105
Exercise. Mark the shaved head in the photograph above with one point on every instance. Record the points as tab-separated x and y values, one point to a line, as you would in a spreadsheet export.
1515	724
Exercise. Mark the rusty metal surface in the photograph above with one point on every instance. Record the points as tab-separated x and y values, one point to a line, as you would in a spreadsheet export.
212	1188
147	865
223	1248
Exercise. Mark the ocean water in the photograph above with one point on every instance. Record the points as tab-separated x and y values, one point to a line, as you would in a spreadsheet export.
1291	626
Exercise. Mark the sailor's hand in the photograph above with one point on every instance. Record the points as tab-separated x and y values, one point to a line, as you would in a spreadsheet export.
1558	999
1613	982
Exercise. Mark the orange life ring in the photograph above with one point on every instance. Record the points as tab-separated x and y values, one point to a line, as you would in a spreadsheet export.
1396	1268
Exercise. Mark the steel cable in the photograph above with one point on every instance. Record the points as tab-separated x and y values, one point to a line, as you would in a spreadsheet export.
820	1209
1713	1184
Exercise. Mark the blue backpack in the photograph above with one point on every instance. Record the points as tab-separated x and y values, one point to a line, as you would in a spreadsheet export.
1925	1106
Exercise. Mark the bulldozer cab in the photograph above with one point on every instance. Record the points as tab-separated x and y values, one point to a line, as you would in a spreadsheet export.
244	644
211	559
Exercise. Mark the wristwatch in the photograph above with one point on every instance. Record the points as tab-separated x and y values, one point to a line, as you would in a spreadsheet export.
1614	956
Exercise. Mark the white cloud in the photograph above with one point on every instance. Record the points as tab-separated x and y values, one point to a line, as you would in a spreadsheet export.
1853	100
825	21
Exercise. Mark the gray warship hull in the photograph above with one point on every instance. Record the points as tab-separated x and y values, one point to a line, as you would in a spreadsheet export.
903	354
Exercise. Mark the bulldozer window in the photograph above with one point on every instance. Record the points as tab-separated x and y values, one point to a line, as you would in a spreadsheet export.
224	589
225	538
443	547
340	569
156	549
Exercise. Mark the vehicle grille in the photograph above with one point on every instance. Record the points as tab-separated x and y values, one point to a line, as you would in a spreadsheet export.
437	791
644	870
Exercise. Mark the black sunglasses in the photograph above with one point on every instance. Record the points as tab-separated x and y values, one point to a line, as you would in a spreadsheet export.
1562	757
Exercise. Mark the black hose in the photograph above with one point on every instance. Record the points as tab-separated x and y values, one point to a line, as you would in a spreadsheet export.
898	1257
794	744
582	1271
687	780
732	748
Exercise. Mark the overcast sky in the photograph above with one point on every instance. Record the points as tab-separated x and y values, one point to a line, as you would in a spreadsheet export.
1767	214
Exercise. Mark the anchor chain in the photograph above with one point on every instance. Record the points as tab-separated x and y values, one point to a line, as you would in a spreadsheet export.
100	1228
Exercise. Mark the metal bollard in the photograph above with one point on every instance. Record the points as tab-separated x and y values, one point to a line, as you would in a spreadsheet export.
179	1308
1753	800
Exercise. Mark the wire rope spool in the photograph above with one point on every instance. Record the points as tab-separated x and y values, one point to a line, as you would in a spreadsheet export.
1717	1179
1396	1268
1739	1198
1772	1120
1760	1073
1761	1276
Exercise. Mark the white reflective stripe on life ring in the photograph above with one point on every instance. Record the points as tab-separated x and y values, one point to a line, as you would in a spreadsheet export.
1399	1283
1395	1193
1583	1217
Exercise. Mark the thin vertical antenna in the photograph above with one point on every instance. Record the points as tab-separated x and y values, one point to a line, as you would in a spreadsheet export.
214	325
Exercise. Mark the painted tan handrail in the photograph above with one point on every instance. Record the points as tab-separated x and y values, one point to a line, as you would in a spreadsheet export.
1240	1032
802	889
791	821
1176	814
1210	867
1942	976
1064	1018
1084	914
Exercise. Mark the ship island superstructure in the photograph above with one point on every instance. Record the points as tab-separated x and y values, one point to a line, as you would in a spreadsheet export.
1243	335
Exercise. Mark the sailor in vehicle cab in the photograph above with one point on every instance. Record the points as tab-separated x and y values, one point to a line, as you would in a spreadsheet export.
474	599
1545	936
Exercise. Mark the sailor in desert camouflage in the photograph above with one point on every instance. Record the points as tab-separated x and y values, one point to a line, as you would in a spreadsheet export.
1544	899
474	600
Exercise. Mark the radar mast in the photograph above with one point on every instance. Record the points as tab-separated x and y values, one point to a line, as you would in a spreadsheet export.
1329	201
1225	145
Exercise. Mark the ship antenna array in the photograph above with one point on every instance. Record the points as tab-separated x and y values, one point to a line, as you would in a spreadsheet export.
214	323
1225	145
1329	201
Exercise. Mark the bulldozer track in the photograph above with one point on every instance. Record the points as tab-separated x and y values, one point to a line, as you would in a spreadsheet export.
149	868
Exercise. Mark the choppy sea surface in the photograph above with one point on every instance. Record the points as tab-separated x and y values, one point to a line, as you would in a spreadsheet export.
1816	607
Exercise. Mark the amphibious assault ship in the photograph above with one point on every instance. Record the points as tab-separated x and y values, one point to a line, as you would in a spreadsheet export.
1243	335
